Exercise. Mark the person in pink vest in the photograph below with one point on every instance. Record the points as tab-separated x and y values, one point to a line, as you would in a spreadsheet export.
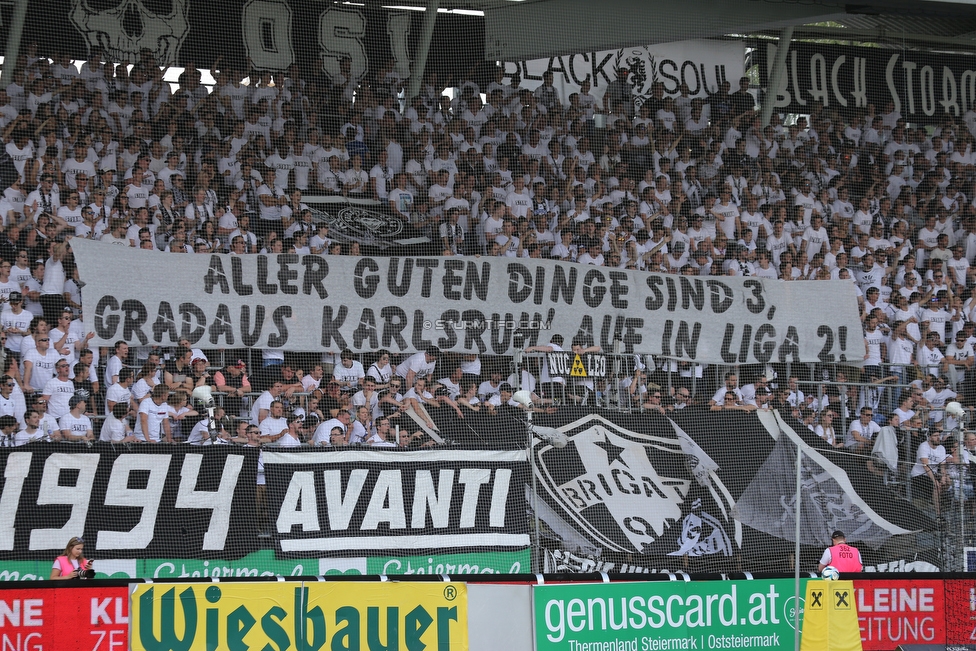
844	557
70	564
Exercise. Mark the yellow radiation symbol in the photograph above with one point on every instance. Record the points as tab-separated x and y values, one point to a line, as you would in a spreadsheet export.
578	369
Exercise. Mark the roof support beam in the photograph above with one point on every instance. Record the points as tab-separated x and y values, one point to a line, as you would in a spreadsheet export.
13	42
776	74
423	47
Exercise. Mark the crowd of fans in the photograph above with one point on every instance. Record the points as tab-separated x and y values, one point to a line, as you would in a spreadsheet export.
670	184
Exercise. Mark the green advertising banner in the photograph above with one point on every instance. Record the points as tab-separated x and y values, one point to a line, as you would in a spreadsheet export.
666	615
264	563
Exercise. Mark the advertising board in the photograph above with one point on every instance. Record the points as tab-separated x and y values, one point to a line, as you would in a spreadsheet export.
665	615
897	612
64	619
198	617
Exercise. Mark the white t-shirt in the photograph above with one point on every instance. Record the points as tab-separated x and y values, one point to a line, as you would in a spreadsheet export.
310	384
935	455
58	393
867	431
288	441
816	239
381	375
113	430
730	212
7	287
937	400
323	432
930	359
263	402
117	394
359	434
776	245
76	332
76	426
138	196
359	400
141	388
272	212
200	435
874	340
112	369
19	321
486	389
519	203
23	437
272	426
155	414
828	435
418	364
352	375
955	353
43	366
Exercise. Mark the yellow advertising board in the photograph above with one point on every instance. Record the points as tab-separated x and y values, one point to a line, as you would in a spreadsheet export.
310	616
830	617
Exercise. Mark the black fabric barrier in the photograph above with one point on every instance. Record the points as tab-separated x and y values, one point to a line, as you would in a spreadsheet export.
628	493
135	502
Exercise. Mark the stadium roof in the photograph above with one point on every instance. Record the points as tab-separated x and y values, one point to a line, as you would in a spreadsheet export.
530	29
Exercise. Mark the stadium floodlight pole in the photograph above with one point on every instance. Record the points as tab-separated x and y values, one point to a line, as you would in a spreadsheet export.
796	552
423	47
13	42
776	74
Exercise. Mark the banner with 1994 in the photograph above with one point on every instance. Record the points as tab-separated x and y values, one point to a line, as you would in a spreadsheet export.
126	502
185	511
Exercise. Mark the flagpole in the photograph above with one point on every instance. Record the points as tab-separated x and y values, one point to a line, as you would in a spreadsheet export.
796	553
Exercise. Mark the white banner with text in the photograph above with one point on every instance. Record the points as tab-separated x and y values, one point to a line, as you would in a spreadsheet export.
701	64
461	304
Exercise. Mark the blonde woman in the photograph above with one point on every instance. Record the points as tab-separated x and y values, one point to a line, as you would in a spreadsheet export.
72	564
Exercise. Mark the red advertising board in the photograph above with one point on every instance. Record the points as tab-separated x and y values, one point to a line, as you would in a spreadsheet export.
64	619
960	598
897	612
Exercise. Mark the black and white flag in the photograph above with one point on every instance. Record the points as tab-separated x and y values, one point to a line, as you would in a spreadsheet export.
828	501
637	493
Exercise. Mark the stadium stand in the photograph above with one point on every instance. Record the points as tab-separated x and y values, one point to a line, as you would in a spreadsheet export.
697	187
